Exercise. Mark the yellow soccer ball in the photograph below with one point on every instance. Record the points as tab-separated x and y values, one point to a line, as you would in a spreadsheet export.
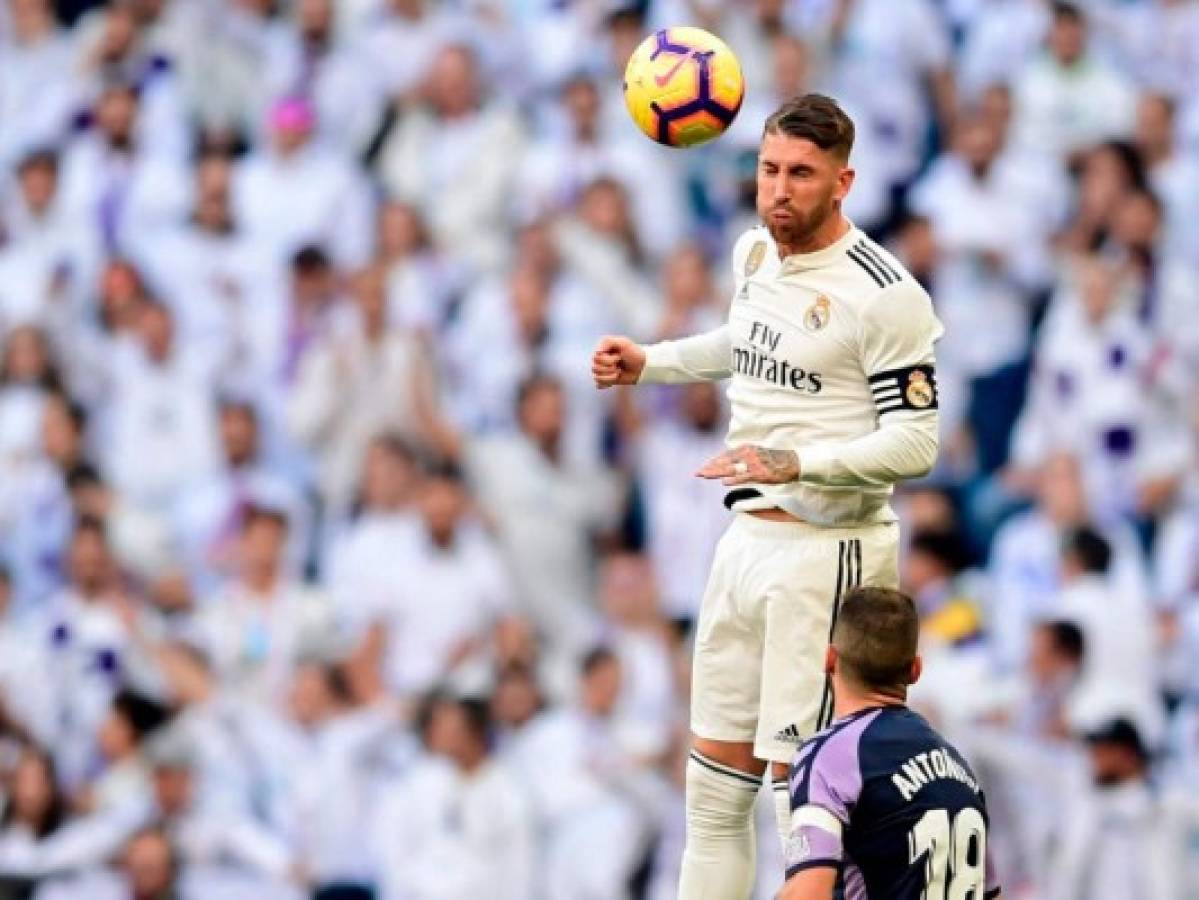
683	86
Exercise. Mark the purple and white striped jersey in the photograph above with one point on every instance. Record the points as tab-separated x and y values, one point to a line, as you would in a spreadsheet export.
885	800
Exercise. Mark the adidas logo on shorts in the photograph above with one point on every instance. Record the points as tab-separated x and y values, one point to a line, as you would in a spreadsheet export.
789	735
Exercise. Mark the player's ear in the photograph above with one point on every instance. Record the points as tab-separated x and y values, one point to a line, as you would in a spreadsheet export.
844	182
917	670
830	660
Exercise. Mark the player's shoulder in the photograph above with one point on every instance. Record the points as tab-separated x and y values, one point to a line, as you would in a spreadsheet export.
871	274
868	735
881	291
838	746
750	249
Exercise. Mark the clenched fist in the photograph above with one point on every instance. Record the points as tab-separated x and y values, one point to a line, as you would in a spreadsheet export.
617	360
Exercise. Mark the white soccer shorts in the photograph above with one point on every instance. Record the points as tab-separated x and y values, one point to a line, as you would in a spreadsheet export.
765	623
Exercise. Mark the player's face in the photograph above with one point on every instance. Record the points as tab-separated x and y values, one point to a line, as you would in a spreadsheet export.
800	186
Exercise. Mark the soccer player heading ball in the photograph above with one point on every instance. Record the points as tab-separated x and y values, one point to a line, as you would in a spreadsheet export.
829	348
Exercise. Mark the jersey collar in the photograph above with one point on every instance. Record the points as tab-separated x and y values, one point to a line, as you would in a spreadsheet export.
798	262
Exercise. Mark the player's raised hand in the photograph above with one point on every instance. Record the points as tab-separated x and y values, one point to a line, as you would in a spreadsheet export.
617	360
749	464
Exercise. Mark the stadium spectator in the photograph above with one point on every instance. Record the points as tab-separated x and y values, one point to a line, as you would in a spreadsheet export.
353	382
1119	634
1025	573
297	192
36	100
457	825
456	131
447	556
263	621
1068	98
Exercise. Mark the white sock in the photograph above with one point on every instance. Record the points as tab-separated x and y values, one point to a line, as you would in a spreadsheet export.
720	857
780	791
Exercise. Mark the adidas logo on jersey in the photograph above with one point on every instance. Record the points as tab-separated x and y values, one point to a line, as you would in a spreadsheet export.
789	735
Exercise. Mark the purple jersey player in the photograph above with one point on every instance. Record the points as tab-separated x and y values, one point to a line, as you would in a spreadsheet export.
881	804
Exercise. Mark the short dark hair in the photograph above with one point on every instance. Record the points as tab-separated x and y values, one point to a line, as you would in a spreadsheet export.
83	475
1067	639
815	118
945	547
396	446
256	512
1066	11
1091	550
876	637
38	157
534	382
144	714
596	658
475	712
75	411
311	259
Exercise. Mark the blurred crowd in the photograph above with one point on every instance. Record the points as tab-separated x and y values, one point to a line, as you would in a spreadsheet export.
324	570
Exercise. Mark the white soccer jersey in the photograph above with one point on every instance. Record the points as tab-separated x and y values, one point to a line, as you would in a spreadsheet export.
831	355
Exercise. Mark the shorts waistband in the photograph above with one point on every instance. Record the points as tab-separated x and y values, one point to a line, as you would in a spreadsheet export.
768	528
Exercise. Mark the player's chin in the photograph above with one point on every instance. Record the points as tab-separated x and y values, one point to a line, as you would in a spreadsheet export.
783	229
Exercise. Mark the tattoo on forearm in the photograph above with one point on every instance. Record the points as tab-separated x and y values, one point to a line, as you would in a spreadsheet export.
780	464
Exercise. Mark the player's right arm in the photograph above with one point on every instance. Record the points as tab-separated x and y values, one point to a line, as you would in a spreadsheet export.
810	884
703	357
825	784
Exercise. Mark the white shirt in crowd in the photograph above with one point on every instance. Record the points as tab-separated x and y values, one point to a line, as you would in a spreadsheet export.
349	389
1119	669
590	801
460	174
1095	392
436	603
36	94
1003	35
1025	579
686	516
444	834
1059	111
255	640
162	426
974	218
361	560
225	295
47	267
545	516
122	196
318	785
315	196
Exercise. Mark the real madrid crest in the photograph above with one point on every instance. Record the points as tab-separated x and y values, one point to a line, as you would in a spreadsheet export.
756	254
818	314
919	391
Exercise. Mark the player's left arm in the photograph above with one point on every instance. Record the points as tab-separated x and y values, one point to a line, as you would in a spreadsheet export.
895	344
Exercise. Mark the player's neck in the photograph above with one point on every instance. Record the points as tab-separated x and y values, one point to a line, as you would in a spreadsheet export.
826	235
847	701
